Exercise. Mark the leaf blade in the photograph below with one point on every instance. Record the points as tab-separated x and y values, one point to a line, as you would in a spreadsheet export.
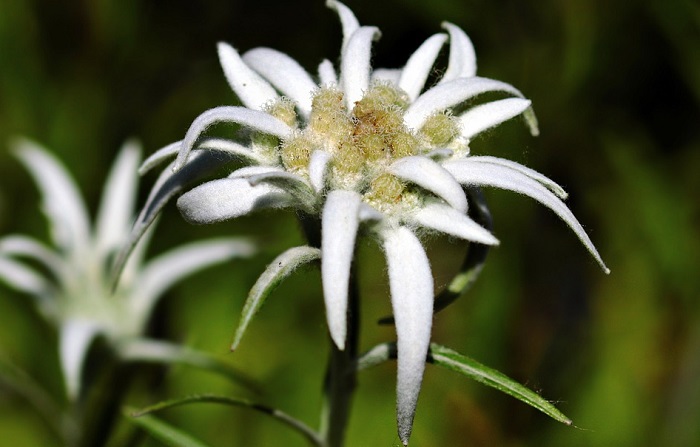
447	358
276	271
156	351
165	432
279	415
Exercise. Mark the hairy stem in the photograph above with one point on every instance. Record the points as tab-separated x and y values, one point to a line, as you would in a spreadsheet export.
341	377
340	380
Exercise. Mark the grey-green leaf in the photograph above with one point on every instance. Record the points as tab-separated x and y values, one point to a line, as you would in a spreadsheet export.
155	351
165	432
281	416
168	185
476	256
376	356
274	274
445	357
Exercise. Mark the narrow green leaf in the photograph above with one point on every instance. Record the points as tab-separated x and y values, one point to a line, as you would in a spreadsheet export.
165	432
155	351
376	356
476	256
273	275
281	416
15	379
442	356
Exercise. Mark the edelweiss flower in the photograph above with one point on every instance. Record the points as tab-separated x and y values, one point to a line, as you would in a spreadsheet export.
73	287
377	149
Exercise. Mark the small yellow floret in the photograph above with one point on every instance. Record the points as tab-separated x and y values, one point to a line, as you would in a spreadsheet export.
349	159
373	146
388	94
362	141
385	189
283	109
440	129
329	117
403	144
296	153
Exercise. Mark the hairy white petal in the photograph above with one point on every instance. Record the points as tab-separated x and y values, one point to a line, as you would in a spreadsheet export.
499	176
289	179
485	116
249	171
390	75
411	285
440	154
159	157
167	269
348	20
326	73
22	278
211	144
546	181
430	175
18	245
116	212
75	340
418	67
292	184
253	91
285	74
368	214
231	147
318	168
462	63
450	221
228	198
61	200
355	64
254	119
449	94
339	225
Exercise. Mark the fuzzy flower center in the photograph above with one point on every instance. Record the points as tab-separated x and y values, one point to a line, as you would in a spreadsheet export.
363	142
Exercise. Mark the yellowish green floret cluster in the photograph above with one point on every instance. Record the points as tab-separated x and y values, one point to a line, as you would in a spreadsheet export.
363	142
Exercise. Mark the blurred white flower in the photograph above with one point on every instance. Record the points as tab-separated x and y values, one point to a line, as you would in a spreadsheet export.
71	283
362	147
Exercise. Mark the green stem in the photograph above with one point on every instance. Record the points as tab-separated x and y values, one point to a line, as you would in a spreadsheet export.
101	410
341	374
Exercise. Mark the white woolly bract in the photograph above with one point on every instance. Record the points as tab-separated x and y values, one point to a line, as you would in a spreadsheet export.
411	285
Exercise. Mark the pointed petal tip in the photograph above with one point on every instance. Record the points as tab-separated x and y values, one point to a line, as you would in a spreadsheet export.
599	259
405	431
20	143
338	340
531	121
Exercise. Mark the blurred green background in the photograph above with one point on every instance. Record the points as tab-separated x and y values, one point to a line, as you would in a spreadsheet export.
616	87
